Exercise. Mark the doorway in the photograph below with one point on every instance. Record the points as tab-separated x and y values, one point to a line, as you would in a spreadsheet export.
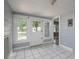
56	31
36	31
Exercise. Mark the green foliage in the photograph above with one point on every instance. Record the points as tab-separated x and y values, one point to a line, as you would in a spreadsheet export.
21	24
36	24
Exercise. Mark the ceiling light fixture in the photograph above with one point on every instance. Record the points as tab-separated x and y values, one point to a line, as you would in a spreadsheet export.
52	1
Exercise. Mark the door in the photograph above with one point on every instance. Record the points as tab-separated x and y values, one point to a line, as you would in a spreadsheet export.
56	31
37	31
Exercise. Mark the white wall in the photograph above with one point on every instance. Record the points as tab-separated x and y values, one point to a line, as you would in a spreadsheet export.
67	34
32	36
41	36
7	26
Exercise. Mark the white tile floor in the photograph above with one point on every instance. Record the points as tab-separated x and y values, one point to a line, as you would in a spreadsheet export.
47	51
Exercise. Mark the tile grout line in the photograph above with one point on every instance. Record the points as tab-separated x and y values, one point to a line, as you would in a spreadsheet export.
61	53
24	53
16	55
40	54
32	54
57	53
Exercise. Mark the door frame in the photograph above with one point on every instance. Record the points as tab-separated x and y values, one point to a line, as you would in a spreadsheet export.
59	27
34	33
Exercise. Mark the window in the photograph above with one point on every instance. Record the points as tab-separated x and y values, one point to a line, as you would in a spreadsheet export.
22	29
36	26
47	24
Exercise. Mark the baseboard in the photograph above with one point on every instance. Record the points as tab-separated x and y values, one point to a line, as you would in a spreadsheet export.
68	48
19	48
10	55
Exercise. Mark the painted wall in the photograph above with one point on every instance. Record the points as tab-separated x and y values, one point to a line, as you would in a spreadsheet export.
32	37
67	34
7	28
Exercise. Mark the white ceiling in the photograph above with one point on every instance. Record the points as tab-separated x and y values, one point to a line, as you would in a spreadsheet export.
42	7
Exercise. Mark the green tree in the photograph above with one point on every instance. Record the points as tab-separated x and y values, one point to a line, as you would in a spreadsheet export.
36	24
22	23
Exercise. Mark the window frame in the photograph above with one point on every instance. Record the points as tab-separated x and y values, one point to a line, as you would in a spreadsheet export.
37	19
15	34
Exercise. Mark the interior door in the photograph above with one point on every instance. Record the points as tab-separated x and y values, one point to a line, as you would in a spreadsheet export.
37	31
56	31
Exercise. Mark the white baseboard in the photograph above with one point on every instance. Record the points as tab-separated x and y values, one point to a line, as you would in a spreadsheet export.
68	48
11	55
20	48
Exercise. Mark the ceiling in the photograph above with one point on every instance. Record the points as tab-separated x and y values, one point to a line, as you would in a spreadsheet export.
42	7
